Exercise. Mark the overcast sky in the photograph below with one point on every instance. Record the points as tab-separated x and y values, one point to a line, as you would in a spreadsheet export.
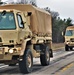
65	8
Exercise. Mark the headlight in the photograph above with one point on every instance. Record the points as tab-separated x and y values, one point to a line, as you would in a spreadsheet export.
67	42
11	51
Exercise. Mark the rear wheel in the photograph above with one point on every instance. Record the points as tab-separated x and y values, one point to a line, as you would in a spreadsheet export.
27	63
45	57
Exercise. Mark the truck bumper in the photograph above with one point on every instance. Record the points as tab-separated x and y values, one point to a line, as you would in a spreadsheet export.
7	54
70	43
9	58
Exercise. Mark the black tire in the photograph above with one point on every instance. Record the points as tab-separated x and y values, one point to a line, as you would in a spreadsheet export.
66	48
26	64
45	57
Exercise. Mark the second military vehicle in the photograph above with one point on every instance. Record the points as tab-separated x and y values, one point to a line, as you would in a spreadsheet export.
69	38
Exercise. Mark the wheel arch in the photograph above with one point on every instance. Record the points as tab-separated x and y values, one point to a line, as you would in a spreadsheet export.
25	44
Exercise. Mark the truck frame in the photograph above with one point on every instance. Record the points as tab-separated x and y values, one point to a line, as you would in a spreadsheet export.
25	33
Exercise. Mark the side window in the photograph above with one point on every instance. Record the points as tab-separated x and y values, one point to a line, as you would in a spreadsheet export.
20	21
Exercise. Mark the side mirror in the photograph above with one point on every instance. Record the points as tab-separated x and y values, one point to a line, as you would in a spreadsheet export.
62	33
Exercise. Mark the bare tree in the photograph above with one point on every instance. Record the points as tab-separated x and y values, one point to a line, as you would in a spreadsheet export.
33	2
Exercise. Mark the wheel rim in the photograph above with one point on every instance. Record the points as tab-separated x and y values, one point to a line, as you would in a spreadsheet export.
29	61
47	55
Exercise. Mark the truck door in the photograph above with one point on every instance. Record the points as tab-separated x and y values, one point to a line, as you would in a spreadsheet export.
21	32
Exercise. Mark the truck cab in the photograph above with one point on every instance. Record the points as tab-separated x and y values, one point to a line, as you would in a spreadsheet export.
13	29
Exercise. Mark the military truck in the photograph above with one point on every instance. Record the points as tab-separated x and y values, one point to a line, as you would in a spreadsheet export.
69	38
25	33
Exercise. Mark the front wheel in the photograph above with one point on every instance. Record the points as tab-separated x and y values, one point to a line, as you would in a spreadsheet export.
45	57
27	63
66	48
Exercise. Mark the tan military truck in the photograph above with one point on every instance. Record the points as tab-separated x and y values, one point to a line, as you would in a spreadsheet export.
25	32
69	38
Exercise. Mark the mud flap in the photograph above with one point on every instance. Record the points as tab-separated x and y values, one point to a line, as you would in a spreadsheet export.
51	53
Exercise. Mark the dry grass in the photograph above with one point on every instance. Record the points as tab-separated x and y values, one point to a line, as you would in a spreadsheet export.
57	45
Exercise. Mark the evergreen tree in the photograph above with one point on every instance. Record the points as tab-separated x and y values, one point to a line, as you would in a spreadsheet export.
58	26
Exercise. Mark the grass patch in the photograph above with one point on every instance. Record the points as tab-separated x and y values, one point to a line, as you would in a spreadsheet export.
57	45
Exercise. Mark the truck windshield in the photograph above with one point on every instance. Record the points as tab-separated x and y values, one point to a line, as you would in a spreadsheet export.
7	21
69	32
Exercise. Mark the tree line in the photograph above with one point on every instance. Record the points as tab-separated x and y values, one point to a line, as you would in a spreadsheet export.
58	26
